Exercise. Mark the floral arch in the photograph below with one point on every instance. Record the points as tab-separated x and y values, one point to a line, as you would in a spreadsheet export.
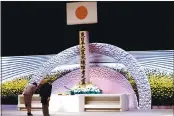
117	53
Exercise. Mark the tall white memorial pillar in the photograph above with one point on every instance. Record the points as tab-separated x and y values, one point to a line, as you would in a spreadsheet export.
84	54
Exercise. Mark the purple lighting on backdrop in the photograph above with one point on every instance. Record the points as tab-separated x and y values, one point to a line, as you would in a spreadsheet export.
108	80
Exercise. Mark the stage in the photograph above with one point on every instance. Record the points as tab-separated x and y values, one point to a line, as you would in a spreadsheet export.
11	110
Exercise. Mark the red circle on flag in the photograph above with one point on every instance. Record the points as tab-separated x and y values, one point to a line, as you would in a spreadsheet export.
81	12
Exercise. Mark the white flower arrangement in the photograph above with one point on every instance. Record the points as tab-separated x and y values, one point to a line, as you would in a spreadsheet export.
86	89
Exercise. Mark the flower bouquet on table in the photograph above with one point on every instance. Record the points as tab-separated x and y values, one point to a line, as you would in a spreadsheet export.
85	89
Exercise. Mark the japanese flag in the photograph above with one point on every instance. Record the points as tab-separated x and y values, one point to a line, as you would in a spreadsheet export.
81	13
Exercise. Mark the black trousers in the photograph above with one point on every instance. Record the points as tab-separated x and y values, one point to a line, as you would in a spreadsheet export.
45	105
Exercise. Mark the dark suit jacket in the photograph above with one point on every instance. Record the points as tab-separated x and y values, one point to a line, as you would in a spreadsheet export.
45	90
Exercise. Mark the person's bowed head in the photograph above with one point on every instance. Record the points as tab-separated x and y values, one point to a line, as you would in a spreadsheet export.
42	81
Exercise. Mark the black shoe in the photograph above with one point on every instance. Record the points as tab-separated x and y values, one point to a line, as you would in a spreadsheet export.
29	114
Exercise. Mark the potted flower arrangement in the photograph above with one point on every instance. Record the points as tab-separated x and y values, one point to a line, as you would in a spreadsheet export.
85	89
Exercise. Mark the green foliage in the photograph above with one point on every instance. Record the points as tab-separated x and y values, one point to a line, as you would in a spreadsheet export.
162	88
13	88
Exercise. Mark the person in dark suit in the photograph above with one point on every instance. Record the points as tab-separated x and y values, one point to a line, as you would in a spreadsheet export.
45	93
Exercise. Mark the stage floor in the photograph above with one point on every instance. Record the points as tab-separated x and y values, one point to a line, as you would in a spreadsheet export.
11	110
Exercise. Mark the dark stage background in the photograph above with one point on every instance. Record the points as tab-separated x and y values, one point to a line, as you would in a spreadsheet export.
38	28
